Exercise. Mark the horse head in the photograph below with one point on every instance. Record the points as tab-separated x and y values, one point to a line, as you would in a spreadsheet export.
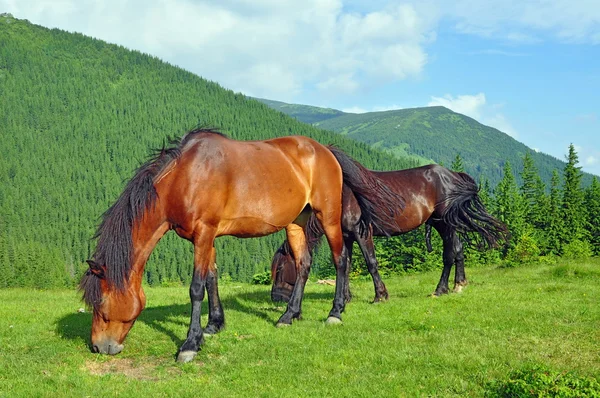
283	273
114	309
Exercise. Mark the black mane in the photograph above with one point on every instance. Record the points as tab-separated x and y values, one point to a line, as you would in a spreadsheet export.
114	248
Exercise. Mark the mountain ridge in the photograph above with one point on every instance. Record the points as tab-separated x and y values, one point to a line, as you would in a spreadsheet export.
436	134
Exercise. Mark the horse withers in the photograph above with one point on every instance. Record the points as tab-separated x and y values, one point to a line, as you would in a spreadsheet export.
435	196
208	186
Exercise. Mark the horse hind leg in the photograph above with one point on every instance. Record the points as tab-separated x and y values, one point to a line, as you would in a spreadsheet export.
460	279
297	241
339	251
448	257
368	250
216	316
348	242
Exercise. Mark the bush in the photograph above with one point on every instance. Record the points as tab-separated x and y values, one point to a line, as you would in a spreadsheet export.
538	381
526	249
577	249
262	278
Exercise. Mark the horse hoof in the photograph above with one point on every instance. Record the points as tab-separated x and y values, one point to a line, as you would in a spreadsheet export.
333	321
211	330
378	300
282	325
186	356
458	288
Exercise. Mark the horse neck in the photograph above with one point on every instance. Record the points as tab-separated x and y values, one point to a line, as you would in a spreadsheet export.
145	236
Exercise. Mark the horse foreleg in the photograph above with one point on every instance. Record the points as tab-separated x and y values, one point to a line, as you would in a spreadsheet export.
297	241
460	279
202	259
216	316
368	250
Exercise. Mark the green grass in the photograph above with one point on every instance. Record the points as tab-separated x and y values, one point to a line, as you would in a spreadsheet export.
413	345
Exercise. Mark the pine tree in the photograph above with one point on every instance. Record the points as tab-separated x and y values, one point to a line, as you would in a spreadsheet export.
572	201
457	164
485	192
592	204
509	204
554	221
533	193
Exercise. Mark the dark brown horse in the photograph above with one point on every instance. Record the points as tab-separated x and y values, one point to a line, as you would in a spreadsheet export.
207	186
445	200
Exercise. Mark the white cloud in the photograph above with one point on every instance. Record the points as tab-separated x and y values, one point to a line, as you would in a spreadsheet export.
386	108
476	106
272	49
355	109
281	48
525	21
343	83
469	105
591	160
358	109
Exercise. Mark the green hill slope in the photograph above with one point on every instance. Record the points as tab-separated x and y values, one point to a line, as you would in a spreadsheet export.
304	113
436	134
77	117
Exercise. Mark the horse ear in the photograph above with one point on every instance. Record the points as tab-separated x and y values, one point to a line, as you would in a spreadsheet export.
96	268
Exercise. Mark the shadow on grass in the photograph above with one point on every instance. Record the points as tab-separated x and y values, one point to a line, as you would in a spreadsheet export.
258	304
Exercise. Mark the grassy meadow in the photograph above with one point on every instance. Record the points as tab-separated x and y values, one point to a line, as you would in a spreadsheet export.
413	345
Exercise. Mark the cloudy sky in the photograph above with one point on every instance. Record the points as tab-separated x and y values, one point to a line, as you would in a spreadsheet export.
530	68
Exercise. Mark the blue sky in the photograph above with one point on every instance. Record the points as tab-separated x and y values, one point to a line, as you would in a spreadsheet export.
530	68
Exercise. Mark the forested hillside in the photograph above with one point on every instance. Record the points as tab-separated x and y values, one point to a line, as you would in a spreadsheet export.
77	117
435	134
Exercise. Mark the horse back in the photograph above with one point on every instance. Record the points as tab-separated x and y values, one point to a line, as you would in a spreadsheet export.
247	188
424	189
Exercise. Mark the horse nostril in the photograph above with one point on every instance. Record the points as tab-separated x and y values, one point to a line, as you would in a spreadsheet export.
95	348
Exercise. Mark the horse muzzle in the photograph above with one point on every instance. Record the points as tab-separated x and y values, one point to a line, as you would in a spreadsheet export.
107	346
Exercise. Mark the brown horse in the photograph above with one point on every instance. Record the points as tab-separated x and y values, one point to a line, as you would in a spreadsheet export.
435	196
208	186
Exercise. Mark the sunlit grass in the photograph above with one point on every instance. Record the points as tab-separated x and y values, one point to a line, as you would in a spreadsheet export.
412	345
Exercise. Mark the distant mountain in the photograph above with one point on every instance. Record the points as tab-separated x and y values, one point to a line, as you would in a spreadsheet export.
430	134
304	113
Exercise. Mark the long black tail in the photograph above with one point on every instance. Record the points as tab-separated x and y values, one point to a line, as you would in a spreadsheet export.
467	214
378	204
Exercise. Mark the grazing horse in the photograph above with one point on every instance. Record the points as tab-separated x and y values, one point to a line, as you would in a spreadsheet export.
443	199
208	186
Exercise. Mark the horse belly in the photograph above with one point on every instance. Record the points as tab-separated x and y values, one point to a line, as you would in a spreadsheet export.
248	227
261	213
416	213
